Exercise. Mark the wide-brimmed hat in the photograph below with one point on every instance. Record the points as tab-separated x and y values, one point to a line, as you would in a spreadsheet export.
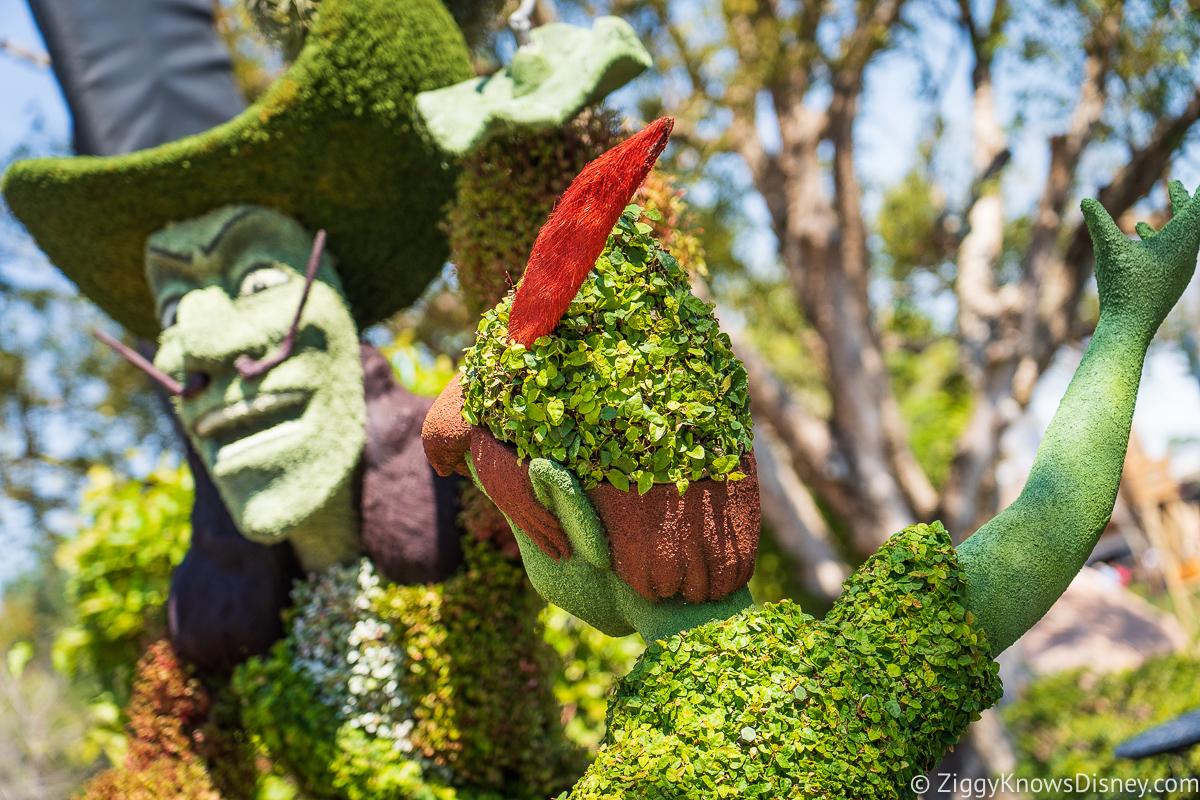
332	143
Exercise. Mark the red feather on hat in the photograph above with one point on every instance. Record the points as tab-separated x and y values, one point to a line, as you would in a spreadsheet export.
573	237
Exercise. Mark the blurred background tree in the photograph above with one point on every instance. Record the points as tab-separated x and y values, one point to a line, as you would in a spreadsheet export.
83	586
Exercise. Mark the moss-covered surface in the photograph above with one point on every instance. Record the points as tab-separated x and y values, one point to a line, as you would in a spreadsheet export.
1068	724
636	385
774	704
331	143
506	190
478	678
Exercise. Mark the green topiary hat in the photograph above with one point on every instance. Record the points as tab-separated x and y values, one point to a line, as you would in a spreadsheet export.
331	143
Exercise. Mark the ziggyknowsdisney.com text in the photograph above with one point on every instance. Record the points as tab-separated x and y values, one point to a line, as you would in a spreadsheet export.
1081	783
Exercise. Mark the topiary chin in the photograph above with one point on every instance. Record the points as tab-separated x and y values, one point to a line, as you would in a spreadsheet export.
635	386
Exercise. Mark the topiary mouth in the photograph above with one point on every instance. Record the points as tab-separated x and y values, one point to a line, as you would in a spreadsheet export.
635	386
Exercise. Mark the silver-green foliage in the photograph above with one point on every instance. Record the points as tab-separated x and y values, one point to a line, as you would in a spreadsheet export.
348	651
636	385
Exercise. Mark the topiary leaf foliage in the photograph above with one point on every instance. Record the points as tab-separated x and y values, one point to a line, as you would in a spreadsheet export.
635	386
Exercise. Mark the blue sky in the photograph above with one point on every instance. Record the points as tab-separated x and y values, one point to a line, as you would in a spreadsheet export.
29	92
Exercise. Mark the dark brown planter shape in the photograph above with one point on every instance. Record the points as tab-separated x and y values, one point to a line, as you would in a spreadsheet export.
701	545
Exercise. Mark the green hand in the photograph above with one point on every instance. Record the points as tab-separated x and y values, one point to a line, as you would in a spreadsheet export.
557	488
585	583
1020	563
1139	282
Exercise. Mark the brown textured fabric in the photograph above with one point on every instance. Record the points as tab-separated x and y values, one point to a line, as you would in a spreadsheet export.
408	513
506	480
445	434
701	545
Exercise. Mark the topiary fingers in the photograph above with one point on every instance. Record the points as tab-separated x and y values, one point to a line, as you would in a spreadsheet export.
1106	236
559	491
1185	224
1179	196
1139	281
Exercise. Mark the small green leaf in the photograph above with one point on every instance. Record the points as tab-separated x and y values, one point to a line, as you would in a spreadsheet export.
618	479
554	410
625	463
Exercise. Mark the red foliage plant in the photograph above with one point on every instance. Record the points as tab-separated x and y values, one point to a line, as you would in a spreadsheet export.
574	236
174	743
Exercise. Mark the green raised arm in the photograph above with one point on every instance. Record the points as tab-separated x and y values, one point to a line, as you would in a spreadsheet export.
1020	563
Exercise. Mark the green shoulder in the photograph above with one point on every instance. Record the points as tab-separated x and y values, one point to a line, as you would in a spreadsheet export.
853	706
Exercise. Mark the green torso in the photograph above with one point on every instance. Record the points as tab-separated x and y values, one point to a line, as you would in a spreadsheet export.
773	703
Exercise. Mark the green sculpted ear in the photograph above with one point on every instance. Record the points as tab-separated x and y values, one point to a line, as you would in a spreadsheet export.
557	488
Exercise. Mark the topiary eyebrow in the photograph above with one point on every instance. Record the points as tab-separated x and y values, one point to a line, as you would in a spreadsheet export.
208	249
194	271
186	258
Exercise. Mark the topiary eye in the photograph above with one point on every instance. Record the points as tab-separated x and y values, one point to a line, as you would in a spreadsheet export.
262	278
166	317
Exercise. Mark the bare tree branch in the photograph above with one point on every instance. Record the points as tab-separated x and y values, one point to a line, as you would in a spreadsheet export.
37	59
793	516
1009	334
983	316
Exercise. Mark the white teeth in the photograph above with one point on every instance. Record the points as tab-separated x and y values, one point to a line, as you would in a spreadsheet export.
235	449
241	411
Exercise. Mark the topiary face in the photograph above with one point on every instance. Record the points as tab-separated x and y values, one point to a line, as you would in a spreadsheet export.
635	386
281	447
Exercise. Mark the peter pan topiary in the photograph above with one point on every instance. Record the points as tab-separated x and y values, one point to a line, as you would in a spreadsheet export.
636	385
774	704
476	717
